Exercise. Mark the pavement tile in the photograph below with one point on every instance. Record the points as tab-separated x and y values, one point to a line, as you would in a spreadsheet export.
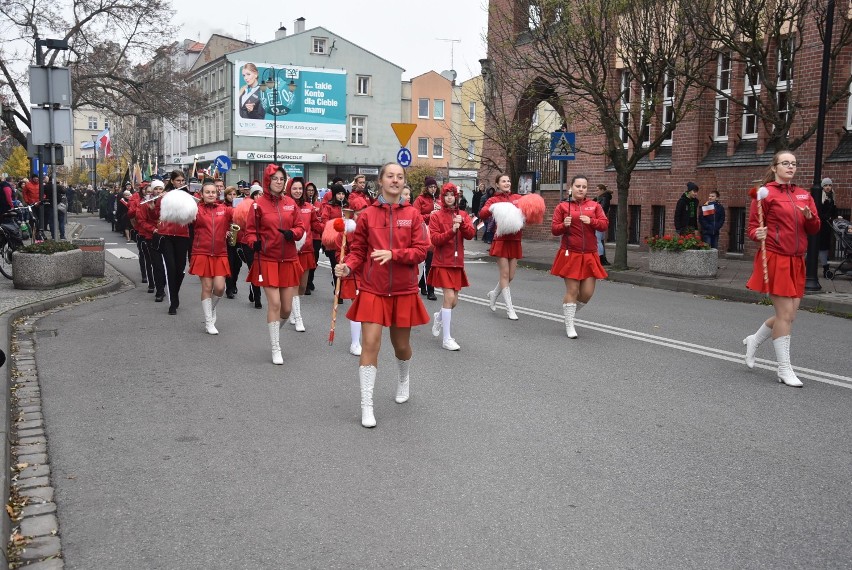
42	525
32	483
29	449
44	494
31	440
29	424
38	509
52	564
31	432
35	471
41	547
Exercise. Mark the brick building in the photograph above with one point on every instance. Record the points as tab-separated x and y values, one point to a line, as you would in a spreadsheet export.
717	146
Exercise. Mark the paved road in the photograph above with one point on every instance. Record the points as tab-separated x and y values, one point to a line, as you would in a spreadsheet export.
645	443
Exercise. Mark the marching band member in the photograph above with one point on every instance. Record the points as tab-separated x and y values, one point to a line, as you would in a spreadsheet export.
234	261
506	247
427	202
245	251
448	228
272	229
147	220
577	260
388	243
210	251
331	210
312	198
781	215
311	221
177	210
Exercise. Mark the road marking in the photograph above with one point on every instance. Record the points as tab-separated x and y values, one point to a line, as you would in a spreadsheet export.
122	253
713	352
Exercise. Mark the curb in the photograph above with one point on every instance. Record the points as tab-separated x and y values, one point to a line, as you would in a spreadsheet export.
7	320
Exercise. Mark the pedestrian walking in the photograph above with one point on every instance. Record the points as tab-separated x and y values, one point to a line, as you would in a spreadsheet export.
577	220
312	198
272	229
827	214
448	228
780	216
604	198
209	259
177	210
147	221
506	246
388	243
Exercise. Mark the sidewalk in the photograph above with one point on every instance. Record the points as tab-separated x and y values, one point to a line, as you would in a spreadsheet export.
835	296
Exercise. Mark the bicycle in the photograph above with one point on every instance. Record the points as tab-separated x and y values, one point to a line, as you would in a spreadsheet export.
11	238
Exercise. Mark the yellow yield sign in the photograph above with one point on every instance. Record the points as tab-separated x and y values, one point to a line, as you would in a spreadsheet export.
403	132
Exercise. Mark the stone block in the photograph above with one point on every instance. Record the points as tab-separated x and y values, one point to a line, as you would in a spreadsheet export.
41	271
29	449
33	458
52	564
32	483
41	547
35	471
39	509
44	494
42	525
692	263
30	424
93	256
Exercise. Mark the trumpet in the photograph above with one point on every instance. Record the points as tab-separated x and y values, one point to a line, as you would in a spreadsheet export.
232	235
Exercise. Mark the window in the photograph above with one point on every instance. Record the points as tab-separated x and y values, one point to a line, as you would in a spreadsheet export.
423	147
106	123
363	85
626	79
668	106
204	84
535	118
647	107
93	123
193	133
723	94
221	125
439	109
423	108
613	222
471	110
319	45
438	148
471	149
736	230
634	217
658	220
221	77
357	128
785	80
214	85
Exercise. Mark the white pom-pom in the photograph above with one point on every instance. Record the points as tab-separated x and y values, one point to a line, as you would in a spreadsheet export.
349	224
178	207
509	218
300	242
762	192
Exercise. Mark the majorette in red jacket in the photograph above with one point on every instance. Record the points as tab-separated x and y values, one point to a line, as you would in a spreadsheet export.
133	208
359	200
399	228
147	218
275	212
485	213
579	237
426	204
211	229
311	221
449	245
786	225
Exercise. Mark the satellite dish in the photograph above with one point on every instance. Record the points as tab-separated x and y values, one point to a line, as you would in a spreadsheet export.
449	74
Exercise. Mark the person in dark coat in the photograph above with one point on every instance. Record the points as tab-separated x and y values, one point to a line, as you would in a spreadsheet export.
603	198
686	210
827	213
712	219
476	203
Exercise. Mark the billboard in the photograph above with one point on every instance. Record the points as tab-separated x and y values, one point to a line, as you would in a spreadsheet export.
306	102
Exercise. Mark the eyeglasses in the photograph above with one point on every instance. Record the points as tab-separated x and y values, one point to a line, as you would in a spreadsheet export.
787	163
277	179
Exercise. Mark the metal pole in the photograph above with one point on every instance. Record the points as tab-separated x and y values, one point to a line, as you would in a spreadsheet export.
95	164
40	189
275	116
812	259
53	196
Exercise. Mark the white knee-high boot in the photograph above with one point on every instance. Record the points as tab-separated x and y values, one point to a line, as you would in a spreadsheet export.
402	385
492	297
355	331
215	302
367	378
510	309
296	314
292	318
753	341
207	307
274	330
569	310
782	355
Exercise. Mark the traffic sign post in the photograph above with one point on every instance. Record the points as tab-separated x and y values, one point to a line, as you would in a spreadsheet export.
403	157
403	133
562	149
222	163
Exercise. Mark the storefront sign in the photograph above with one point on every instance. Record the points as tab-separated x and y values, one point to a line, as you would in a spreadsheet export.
266	156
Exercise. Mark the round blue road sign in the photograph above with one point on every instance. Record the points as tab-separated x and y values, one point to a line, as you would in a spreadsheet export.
403	157
222	163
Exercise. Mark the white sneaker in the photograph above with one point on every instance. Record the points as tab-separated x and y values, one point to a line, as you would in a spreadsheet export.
436	324
451	344
355	349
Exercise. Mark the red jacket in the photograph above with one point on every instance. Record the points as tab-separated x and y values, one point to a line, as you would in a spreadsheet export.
133	207
30	192
172	229
211	230
147	218
275	213
359	200
787	227
449	245
579	237
399	228
485	213
426	204
330	211
311	221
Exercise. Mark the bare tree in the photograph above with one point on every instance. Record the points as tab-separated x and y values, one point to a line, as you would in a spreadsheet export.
623	72
764	38
108	41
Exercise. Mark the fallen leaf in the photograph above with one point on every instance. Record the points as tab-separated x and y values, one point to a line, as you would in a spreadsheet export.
22	465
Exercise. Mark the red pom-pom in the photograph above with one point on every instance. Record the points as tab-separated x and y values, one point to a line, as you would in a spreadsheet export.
752	193
339	224
270	170
532	205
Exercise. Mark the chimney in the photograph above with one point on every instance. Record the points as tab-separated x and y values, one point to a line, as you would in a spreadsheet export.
281	33
299	26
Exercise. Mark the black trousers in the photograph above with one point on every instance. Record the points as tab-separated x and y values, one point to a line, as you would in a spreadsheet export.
248	257
145	260
423	287
236	264
317	246
332	259
175	250
158	267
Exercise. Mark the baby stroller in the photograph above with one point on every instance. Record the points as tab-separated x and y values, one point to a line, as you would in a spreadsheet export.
843	231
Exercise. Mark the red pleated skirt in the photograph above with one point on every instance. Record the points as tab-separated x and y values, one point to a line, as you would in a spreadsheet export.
447	277
403	311
577	266
209	266
275	274
508	249
786	275
348	288
308	261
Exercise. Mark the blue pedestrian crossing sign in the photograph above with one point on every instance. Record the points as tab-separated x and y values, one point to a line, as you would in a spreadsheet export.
562	146
403	157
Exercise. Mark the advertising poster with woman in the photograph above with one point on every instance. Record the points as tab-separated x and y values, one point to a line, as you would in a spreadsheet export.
306	102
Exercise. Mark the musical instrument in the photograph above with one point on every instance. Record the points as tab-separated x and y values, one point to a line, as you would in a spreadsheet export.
160	195
347	215
232	235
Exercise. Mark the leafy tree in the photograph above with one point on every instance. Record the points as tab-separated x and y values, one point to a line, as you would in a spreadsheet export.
415	175
18	164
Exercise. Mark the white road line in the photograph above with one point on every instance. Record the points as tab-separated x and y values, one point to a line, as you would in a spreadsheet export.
736	357
122	253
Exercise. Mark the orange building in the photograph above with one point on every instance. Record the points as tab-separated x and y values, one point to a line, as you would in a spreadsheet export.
431	110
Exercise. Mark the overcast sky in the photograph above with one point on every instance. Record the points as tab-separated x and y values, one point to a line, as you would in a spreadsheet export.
404	33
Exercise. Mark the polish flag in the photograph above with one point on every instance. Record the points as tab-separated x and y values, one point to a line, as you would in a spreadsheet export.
708	210
103	142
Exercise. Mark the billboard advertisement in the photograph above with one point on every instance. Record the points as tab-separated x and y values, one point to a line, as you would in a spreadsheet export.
305	102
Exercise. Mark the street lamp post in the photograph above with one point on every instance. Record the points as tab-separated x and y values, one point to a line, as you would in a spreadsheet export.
272	83
95	163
